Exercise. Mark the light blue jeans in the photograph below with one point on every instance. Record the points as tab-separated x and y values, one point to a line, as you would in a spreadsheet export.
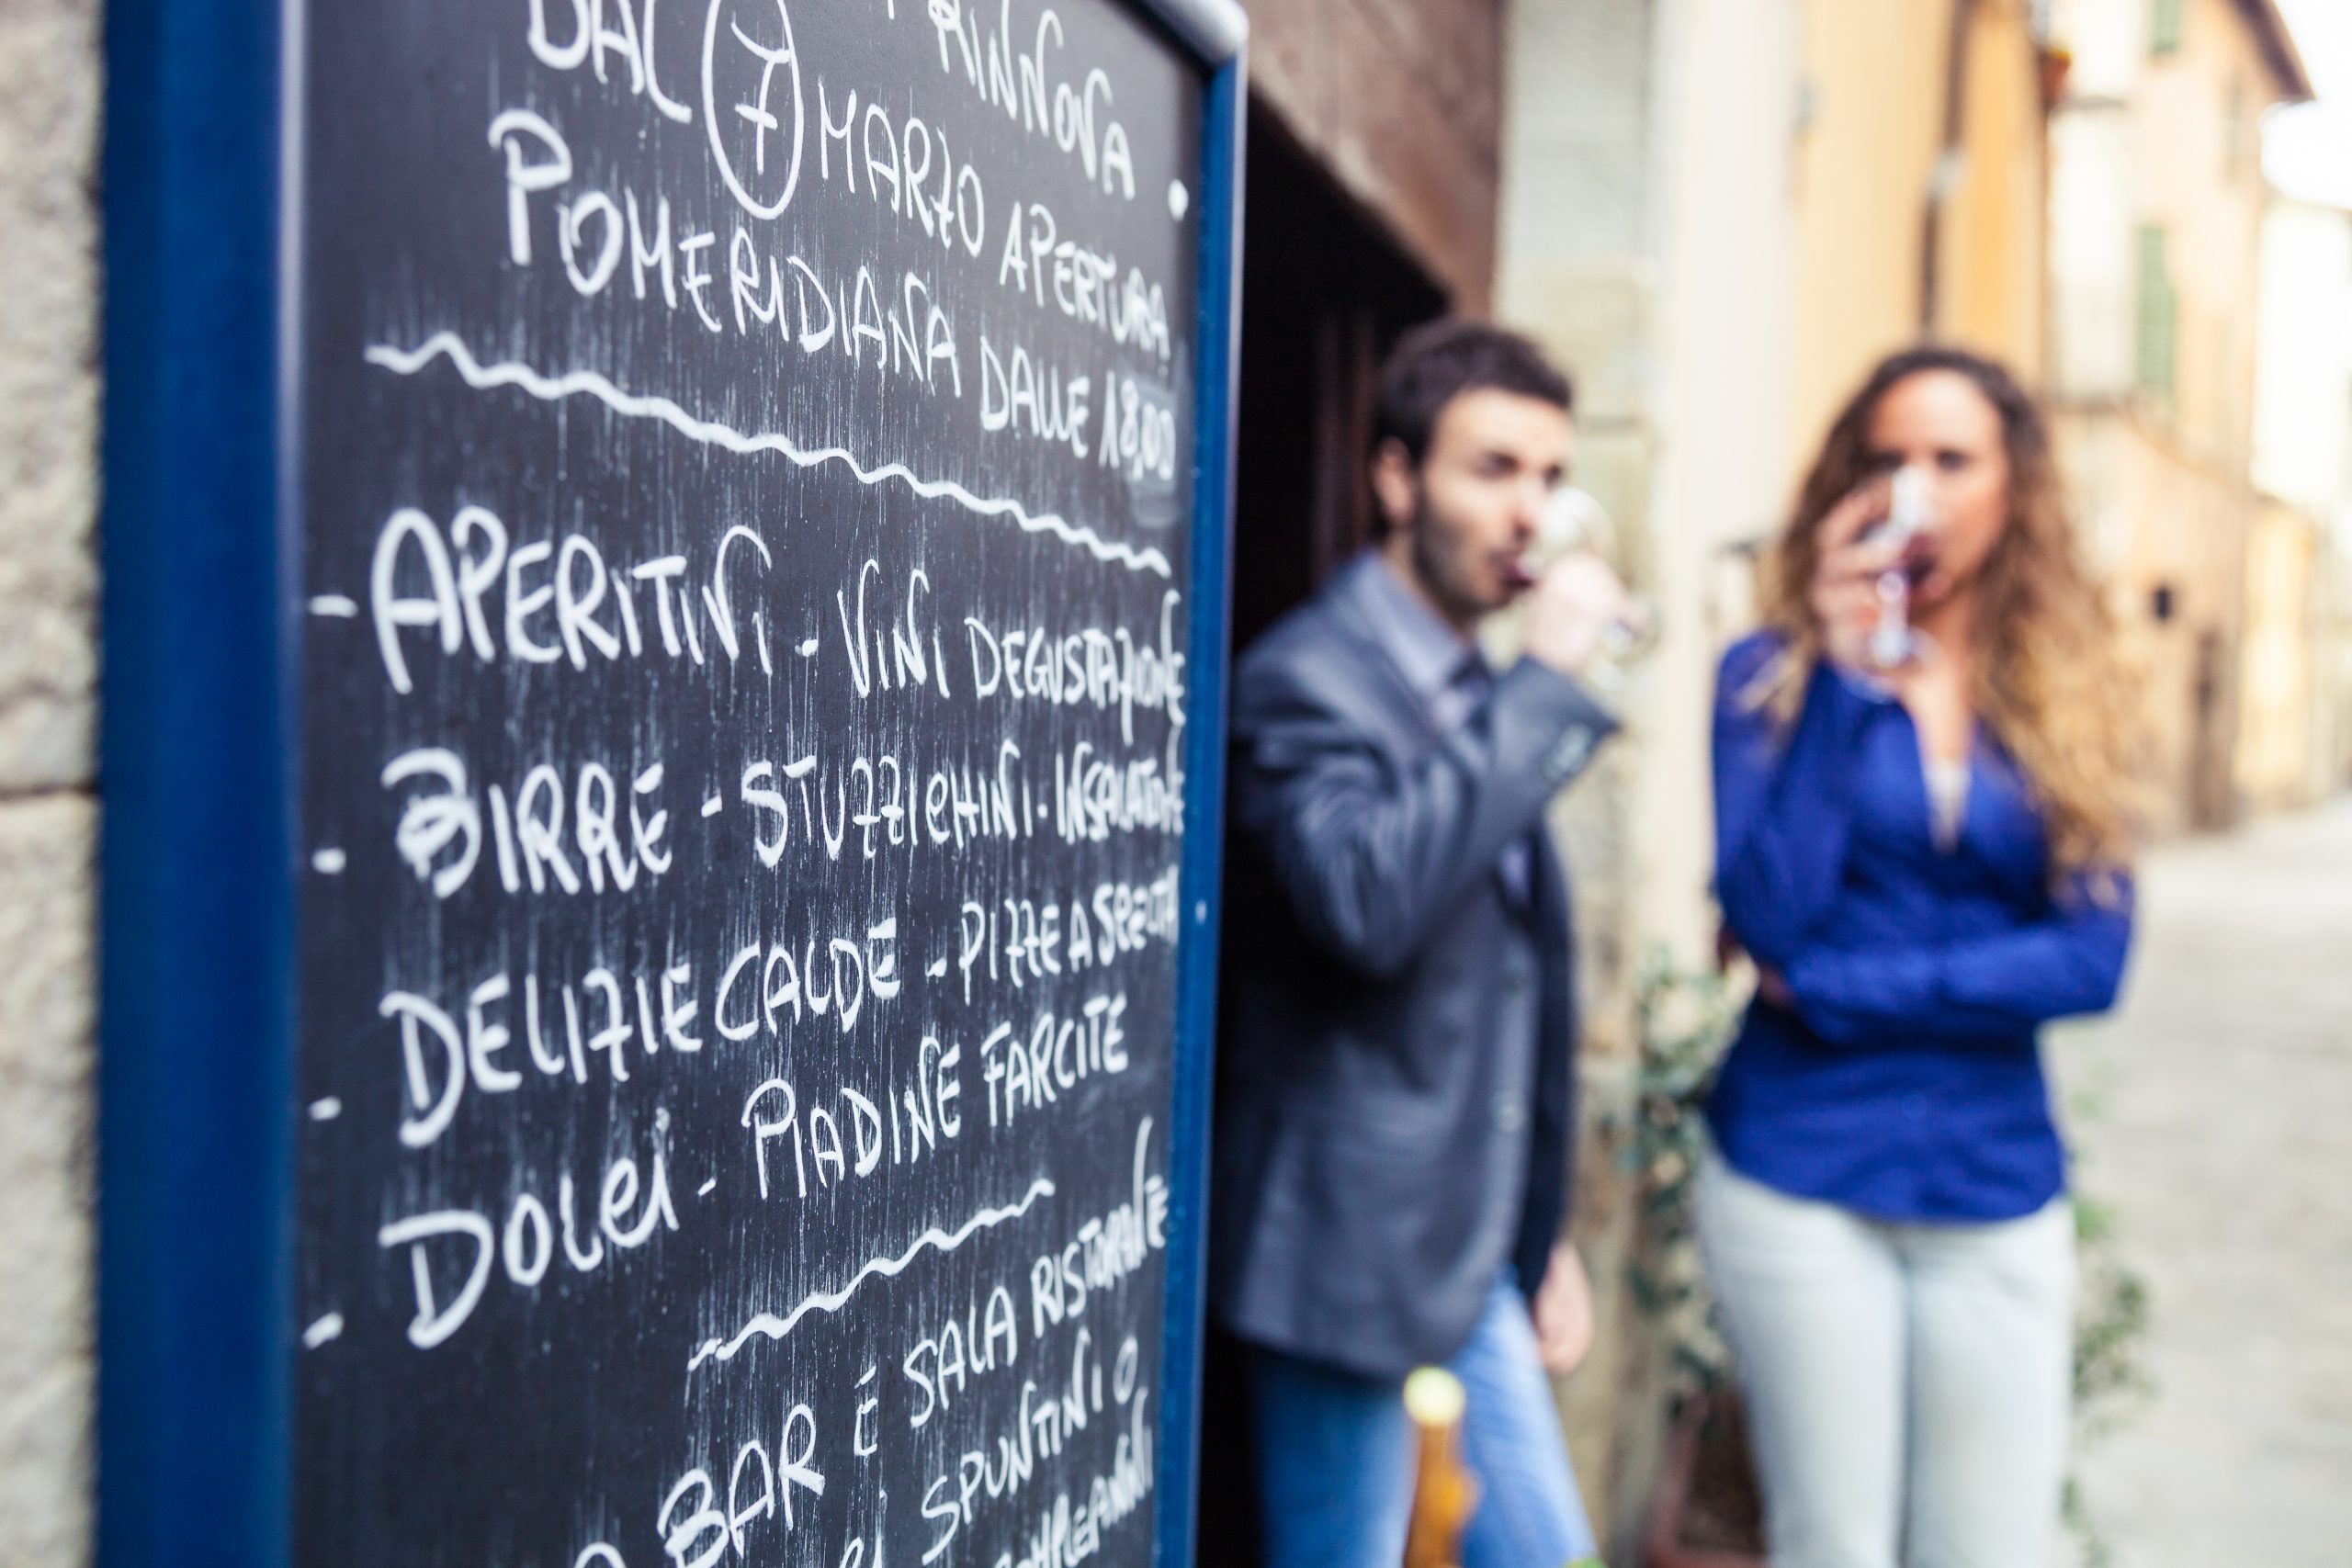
1336	1456
1907	1384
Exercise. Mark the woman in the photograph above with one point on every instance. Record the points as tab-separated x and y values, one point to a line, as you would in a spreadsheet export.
1926	862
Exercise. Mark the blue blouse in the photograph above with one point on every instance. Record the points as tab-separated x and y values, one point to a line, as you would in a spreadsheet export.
1905	1082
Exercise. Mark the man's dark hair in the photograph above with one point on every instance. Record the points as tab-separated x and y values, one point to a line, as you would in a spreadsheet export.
1436	363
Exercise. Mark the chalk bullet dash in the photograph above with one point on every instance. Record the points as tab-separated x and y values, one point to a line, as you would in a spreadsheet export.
937	968
336	606
326	1328
706	1188
325	1110
809	649
710	807
328	862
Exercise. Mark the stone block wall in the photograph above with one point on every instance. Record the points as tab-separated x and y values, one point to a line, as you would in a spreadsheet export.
49	103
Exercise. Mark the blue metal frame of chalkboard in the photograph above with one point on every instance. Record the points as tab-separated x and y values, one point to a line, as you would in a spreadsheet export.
197	860
1218	30
195	998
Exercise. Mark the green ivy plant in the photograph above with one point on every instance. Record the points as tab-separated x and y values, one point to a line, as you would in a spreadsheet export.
2110	1383
1685	1019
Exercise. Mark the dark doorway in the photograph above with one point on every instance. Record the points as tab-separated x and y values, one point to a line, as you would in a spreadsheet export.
2212	782
1325	293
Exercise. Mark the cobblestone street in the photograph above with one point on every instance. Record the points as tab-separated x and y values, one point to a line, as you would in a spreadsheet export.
2213	1114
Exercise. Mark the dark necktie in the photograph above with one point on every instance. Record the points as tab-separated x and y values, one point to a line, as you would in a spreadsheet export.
1472	681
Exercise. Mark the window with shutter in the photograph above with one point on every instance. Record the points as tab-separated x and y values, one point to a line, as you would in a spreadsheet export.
2234	137
2158	316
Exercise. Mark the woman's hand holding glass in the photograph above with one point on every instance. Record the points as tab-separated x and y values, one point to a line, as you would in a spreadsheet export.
1849	592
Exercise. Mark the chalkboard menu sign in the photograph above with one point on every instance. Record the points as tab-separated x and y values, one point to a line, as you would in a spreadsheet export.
745	459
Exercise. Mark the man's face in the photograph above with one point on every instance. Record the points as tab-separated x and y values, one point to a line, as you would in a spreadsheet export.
1461	525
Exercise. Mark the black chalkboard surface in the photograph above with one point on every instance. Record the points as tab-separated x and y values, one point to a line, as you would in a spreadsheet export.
746	465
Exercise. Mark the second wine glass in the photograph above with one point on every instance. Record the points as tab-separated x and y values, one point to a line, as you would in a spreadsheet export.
1910	528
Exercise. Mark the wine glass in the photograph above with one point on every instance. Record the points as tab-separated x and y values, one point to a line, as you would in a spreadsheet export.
1910	527
1574	520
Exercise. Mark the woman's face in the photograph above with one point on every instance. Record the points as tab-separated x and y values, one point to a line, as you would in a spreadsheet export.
1937	421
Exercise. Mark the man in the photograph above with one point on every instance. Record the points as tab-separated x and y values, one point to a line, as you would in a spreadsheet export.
1394	1077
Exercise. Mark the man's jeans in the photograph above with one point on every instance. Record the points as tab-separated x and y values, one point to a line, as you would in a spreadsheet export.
1336	1456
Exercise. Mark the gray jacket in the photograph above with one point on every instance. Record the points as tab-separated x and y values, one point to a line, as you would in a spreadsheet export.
1396	1087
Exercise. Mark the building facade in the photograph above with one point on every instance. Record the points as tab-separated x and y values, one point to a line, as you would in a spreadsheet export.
2156	208
2298	658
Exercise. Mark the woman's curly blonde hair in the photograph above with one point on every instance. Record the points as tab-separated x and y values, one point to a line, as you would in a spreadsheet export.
2052	686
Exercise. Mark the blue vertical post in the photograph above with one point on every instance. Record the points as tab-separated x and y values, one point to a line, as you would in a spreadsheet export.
1219	337
194	1001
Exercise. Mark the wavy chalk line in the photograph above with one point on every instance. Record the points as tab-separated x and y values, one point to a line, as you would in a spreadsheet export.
588	383
767	1325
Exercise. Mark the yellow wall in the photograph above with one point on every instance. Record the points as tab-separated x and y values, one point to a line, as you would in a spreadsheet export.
1875	73
1995	290
2276	767
1873	83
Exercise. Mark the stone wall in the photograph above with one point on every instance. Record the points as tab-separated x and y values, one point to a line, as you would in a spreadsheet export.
49	98
1647	223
